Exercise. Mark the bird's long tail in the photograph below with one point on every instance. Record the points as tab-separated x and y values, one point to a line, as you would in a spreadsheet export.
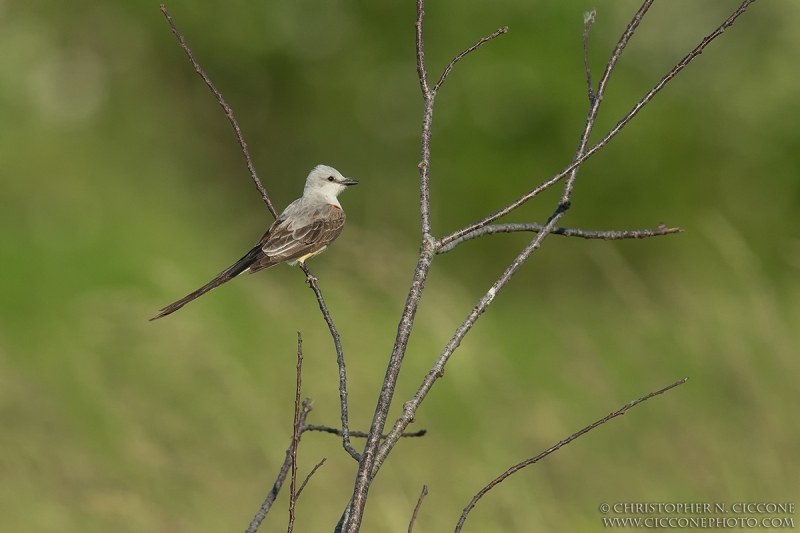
226	275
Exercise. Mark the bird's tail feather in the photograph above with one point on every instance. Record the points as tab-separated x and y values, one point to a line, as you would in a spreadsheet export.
226	275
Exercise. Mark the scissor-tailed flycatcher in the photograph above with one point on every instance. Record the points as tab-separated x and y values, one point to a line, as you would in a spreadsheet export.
304	229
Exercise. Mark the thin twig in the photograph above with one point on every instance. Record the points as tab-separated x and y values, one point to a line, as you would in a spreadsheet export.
416	509
284	471
305	481
588	20
337	342
532	460
606	139
228	113
598	97
296	433
422	73
565	232
460	56
358	434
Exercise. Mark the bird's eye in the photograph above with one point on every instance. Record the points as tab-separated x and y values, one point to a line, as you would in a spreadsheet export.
330	178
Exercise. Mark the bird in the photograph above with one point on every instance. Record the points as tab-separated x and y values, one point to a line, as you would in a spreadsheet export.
305	229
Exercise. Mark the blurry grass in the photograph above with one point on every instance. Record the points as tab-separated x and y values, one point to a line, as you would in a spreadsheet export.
181	425
122	188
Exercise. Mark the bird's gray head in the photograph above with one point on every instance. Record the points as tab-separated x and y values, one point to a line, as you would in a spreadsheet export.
326	182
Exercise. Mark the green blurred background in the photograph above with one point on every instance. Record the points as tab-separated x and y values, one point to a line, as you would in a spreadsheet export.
122	188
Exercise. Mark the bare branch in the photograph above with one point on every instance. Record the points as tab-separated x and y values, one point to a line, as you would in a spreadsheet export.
566	232
227	110
376	452
606	139
287	463
588	20
358	434
460	56
420	44
427	118
297	431
352	517
669	76
366	470
411	406
313	471
598	97
416	509
337	342
532	460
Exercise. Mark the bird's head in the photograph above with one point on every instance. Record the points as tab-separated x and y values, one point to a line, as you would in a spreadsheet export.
327	182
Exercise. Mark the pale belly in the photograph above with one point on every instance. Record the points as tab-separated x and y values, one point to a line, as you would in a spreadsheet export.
307	256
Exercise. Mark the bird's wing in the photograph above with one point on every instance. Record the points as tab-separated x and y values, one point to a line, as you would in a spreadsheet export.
299	235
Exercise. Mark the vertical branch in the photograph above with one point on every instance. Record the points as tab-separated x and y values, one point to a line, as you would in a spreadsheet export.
337	342
427	118
228	113
588	20
367	466
296	433
284	471
601	89
364	475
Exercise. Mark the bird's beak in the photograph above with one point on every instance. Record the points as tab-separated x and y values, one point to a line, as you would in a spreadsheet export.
347	182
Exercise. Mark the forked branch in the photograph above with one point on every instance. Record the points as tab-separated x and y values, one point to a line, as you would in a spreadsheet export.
607	138
411	406
367	467
371	460
284	471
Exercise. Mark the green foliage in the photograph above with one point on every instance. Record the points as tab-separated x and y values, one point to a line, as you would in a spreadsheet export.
122	188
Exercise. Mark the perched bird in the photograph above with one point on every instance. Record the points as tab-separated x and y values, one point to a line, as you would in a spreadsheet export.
304	229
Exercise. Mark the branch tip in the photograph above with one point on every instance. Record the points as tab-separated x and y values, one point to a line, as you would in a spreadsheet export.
416	508
228	113
519	466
